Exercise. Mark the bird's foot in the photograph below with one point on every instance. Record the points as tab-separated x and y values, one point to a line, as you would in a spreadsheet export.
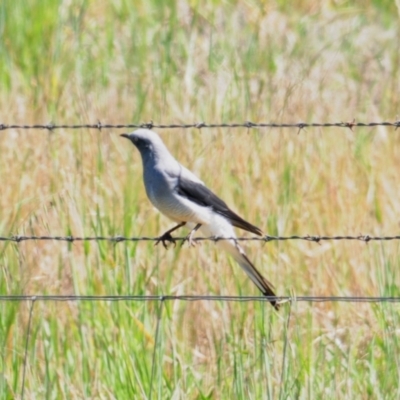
164	239
189	239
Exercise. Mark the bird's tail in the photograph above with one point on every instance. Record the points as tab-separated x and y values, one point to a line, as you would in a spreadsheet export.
233	247
220	227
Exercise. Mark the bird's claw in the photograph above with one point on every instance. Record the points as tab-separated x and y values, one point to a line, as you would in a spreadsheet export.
189	239
164	239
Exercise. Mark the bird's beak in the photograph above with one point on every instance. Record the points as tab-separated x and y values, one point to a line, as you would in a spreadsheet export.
125	135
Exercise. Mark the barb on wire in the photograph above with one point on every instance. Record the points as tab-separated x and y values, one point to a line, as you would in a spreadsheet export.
265	238
199	125
164	298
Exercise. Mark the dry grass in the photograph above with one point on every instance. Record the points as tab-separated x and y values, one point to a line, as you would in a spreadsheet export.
226	62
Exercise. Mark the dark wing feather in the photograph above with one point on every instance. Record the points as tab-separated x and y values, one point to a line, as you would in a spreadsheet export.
203	196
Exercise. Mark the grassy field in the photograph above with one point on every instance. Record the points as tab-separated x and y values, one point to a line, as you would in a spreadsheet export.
82	61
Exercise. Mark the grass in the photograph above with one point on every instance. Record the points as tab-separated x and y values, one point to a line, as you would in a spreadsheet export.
80	62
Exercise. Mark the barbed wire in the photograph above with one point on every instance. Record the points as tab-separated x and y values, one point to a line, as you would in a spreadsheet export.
266	238
199	125
193	298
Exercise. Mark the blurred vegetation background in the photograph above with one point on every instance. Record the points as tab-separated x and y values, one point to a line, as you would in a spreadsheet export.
81	61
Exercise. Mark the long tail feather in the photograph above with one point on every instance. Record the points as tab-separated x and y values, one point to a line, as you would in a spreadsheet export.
263	284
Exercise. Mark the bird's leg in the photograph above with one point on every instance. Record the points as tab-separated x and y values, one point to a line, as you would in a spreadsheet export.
166	237
189	237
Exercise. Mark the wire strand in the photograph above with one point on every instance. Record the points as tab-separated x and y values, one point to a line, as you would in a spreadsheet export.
192	298
266	238
199	125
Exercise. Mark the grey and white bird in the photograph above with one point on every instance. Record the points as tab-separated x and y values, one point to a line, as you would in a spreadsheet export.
185	199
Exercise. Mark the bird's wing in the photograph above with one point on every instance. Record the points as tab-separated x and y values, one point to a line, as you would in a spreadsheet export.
197	192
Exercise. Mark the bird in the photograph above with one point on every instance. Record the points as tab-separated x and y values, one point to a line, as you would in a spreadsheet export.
182	197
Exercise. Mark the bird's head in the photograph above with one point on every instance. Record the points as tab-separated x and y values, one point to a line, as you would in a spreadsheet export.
147	142
144	139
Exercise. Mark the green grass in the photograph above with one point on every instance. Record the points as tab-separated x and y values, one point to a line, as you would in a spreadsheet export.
174	62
